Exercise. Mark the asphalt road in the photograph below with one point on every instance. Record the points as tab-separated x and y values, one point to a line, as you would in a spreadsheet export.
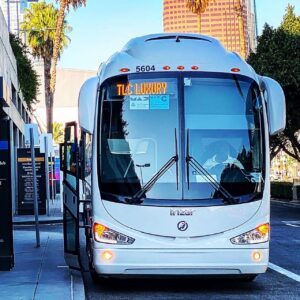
284	253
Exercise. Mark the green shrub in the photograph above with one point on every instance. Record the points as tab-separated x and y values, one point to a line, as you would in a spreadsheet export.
27	76
282	190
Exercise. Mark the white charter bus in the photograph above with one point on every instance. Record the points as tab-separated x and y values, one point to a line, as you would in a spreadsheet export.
169	174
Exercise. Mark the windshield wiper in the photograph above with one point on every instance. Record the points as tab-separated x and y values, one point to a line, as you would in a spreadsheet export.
238	87
136	198
191	161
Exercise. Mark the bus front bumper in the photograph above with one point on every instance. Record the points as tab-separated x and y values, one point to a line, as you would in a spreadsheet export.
180	262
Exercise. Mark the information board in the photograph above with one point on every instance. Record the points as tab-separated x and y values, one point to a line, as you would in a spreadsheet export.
6	230
25	184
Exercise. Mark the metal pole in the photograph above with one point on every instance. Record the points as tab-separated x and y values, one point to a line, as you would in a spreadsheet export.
15	203
35	200
47	175
18	20
8	15
52	177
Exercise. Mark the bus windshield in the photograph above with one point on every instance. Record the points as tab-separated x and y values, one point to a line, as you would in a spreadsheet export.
146	122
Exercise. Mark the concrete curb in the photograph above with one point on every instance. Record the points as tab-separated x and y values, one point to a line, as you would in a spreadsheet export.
285	203
77	285
32	222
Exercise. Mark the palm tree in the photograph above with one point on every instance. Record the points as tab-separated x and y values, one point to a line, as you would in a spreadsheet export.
58	133
64	6
198	7
39	24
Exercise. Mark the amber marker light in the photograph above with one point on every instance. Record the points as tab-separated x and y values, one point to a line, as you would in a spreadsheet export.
98	229
235	70
180	67
166	68
195	68
124	70
256	256
107	255
263	229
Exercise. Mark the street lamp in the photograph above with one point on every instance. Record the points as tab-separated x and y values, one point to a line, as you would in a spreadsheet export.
38	29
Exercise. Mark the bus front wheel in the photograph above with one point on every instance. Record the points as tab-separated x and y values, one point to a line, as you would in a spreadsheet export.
248	277
95	277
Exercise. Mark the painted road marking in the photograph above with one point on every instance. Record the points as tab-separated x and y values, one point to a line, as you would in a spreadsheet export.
292	223
285	272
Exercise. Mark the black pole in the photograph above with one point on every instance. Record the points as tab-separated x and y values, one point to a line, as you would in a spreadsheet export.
35	200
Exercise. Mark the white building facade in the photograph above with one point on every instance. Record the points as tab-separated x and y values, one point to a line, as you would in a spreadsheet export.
68	84
12	106
13	11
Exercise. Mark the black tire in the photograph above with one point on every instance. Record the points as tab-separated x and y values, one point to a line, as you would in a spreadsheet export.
95	277
248	278
98	279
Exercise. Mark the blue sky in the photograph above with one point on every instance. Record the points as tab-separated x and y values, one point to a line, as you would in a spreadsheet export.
104	26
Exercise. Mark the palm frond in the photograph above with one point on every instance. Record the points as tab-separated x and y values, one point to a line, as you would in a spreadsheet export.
39	25
74	3
197	6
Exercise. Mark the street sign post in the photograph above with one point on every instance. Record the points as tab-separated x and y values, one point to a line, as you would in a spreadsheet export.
27	137
35	200
46	142
25	184
46	147
32	138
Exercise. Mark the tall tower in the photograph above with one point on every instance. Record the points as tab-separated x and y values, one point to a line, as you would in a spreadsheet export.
230	21
252	25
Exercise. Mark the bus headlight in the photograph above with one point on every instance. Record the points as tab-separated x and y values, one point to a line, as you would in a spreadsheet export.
258	235
106	235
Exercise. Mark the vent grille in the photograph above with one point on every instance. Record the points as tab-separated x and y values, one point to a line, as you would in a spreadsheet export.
177	38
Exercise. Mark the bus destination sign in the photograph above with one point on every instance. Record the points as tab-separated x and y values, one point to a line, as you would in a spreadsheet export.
143	88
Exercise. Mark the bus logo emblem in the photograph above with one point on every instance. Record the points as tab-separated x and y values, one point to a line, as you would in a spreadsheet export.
182	226
181	212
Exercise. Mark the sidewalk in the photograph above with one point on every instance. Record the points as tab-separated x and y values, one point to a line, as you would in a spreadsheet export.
40	273
55	215
285	202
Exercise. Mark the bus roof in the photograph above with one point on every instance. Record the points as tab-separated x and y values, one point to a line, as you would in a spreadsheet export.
173	50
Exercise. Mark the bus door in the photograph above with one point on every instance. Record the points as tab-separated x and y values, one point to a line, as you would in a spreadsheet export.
70	166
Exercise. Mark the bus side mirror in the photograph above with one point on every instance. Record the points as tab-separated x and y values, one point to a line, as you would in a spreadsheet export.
275	99
87	104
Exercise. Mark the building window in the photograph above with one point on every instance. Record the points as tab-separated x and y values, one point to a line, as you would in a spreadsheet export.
14	95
